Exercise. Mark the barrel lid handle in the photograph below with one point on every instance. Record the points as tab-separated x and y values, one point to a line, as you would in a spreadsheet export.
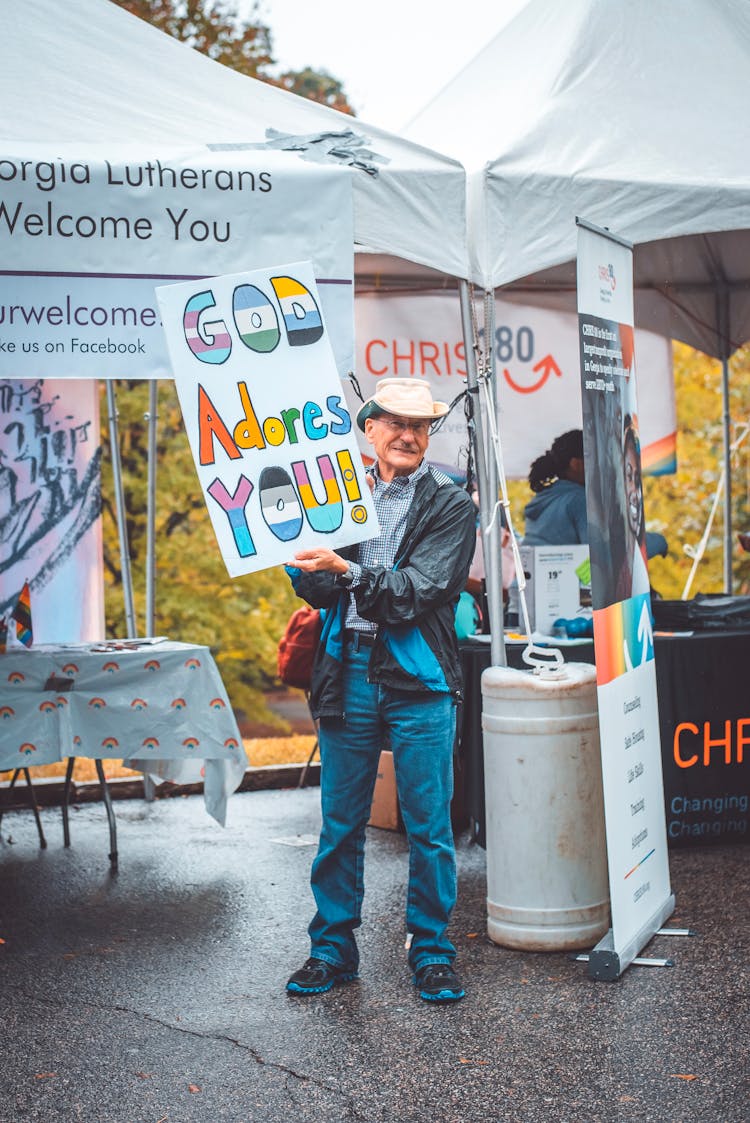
547	662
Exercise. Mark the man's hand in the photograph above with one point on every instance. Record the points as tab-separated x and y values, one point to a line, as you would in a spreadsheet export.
320	560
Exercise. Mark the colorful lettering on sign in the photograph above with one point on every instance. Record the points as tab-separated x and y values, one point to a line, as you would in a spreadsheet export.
250	432
209	340
323	517
279	504
301	314
234	508
284	507
210	425
255	319
735	738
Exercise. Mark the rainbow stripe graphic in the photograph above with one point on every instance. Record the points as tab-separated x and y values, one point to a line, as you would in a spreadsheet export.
110	743
192	664
178	703
623	637
152	665
47	707
77	740
70	669
660	457
218	704
27	748
301	315
16	676
138	704
215	344
191	743
22	615
255	318
150	743
97	703
231	743
61	702
638	864
327	517
6	712
110	668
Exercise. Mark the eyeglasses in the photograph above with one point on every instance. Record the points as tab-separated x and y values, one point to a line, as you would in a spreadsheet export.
418	428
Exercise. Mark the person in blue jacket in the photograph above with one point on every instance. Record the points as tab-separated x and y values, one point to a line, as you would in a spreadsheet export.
556	516
387	673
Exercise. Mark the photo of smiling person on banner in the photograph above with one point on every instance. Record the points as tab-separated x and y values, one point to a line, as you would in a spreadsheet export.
633	578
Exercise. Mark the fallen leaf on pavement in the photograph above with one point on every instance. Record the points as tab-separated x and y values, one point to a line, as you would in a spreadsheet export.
194	1088
44	1075
469	1061
684	1075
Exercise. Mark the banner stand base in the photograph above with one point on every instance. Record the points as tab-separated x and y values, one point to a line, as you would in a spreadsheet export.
605	964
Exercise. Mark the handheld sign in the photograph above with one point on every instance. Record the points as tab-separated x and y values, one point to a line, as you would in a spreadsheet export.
265	415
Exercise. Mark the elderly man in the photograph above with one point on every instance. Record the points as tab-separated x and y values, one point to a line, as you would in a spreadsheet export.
387	675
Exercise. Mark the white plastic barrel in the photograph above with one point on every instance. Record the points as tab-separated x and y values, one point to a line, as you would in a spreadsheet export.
547	885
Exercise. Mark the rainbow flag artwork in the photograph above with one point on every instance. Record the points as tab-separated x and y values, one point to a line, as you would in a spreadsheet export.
22	616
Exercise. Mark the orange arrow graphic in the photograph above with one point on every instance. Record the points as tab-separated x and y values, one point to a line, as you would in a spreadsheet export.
547	366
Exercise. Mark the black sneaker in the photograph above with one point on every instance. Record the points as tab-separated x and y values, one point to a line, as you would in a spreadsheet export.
438	982
317	976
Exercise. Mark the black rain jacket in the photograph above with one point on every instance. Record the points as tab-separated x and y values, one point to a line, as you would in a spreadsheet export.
413	604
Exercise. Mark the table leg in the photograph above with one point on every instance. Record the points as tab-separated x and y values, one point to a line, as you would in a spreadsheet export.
110	814
35	809
34	804
66	800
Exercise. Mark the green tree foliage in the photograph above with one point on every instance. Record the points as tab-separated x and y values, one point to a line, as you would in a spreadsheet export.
679	505
215	29
316	85
240	619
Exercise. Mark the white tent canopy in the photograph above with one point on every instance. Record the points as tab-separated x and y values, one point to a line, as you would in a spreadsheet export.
90	72
632	116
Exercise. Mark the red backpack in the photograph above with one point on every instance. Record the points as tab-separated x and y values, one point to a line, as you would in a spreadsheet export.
297	647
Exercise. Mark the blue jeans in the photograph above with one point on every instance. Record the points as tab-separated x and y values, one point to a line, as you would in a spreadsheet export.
419	729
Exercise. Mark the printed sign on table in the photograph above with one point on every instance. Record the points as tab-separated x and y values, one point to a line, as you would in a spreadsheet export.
265	414
623	637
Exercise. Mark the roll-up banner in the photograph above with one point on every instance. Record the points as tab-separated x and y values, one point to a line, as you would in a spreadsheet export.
640	893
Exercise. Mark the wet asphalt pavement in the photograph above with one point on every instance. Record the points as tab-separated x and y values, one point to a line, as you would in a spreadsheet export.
156	994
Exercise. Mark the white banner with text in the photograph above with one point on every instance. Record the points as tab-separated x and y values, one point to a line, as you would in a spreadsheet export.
84	241
538	384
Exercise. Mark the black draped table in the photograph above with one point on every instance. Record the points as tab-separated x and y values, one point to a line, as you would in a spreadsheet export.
704	719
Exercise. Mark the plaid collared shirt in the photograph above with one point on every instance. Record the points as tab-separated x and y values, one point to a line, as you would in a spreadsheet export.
392	502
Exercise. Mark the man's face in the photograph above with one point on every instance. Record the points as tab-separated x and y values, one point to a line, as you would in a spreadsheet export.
399	444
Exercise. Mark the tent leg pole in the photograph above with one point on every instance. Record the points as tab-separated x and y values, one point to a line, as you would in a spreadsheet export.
152	418
127	580
722	333
486	502
728	576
